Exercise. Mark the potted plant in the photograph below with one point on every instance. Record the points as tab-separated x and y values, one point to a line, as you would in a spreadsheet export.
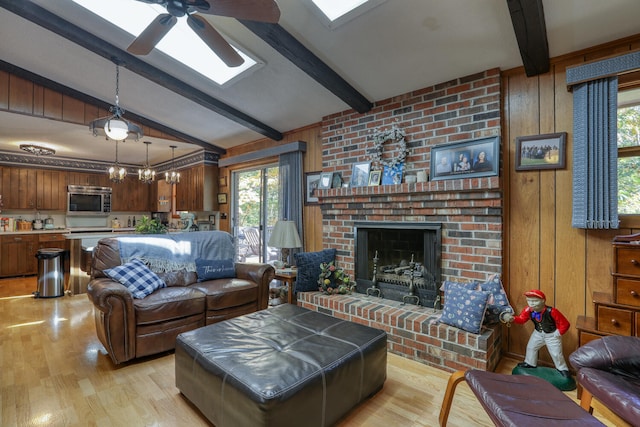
150	226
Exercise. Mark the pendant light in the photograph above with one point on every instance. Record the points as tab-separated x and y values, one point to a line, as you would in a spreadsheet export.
172	176
117	172
146	174
115	127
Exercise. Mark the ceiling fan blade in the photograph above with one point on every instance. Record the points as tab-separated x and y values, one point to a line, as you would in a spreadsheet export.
215	41
252	10
151	35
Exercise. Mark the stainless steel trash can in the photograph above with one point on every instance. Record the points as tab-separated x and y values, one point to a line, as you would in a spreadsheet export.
50	273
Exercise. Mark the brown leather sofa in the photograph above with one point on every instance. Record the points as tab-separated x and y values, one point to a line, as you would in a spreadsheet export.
129	328
609	370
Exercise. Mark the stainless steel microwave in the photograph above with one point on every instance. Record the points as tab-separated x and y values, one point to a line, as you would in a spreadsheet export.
88	200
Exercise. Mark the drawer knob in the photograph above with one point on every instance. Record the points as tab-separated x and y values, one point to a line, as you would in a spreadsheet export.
614	322
634	262
633	293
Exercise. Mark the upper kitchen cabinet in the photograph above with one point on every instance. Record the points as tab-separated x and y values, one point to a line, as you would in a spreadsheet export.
160	196
51	190
197	189
18	188
130	195
88	178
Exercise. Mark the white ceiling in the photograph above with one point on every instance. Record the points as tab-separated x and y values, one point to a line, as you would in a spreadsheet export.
399	46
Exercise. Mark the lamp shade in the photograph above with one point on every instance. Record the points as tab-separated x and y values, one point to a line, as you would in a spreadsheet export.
116	129
285	235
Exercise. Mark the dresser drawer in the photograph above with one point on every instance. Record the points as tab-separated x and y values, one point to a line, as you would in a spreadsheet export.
628	292
615	320
585	337
627	261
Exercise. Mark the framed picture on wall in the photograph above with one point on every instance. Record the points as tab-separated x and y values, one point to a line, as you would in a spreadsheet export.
469	159
222	198
541	151
311	184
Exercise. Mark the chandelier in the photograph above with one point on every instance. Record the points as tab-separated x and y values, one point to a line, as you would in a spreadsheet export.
146	174
114	126
38	150
172	176
117	172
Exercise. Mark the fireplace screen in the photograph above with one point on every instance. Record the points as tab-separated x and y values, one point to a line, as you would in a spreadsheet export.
399	261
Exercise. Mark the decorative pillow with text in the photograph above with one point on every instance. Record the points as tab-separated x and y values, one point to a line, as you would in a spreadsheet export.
208	269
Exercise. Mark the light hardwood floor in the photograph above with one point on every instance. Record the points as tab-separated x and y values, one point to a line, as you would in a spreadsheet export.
56	373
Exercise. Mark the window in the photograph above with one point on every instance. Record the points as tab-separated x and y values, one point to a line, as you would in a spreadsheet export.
629	153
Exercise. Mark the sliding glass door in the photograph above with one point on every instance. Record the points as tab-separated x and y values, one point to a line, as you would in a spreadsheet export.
255	212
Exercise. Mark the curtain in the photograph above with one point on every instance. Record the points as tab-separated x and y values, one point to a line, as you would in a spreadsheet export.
595	154
291	191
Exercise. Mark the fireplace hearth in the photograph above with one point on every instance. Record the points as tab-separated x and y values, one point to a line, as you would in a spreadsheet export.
405	258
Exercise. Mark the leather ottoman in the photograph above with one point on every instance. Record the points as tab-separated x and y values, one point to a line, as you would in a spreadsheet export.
284	366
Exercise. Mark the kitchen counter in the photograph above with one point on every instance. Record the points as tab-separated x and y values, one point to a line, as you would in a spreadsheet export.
83	231
54	231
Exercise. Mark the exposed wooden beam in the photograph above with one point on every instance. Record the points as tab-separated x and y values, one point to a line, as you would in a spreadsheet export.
88	99
75	34
529	26
289	47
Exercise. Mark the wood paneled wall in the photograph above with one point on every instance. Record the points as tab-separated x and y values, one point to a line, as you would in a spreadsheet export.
312	162
542	250
18	95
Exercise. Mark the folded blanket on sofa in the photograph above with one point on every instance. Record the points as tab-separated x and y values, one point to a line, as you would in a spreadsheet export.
172	252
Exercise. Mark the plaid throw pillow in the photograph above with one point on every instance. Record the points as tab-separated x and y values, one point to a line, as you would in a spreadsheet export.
136	277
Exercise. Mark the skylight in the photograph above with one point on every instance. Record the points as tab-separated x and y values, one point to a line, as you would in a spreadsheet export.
334	10
134	16
335	13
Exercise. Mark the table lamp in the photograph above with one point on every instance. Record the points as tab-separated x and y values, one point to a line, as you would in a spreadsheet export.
285	236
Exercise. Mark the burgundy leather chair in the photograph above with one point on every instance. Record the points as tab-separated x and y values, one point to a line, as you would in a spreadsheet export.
609	370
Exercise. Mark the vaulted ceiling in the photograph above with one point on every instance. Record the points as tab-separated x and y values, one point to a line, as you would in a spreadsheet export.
307	69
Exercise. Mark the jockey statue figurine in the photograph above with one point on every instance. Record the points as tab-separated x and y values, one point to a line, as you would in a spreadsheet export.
549	324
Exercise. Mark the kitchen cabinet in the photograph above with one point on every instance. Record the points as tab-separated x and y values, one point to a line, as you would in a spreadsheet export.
160	196
18	188
88	178
51	190
18	255
130	195
197	189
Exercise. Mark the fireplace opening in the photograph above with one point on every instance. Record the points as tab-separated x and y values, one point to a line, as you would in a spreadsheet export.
406	258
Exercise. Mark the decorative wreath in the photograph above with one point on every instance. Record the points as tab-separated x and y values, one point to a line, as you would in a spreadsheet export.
380	136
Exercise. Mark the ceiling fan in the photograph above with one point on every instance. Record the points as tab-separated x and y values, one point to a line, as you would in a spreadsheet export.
252	10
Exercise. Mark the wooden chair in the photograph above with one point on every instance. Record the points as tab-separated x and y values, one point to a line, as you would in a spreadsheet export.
253	240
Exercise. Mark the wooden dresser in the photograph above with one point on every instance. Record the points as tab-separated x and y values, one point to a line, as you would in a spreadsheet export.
618	312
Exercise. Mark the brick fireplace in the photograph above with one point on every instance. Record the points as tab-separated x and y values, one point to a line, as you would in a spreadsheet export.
405	258
469	210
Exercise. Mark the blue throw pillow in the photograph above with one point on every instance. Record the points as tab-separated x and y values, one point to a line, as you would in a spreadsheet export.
464	308
136	277
498	301
209	269
308	265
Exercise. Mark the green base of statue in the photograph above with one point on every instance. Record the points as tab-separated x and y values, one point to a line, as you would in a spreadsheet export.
548	374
